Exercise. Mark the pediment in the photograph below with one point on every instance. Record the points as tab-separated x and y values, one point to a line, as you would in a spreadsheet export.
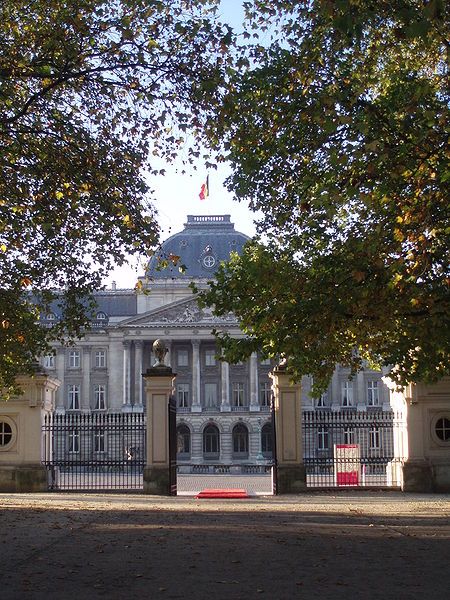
179	313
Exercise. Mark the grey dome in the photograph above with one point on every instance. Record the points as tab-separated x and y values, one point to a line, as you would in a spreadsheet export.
204	242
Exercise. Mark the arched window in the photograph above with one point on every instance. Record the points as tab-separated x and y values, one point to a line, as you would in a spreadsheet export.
240	441
183	441
267	440
211	442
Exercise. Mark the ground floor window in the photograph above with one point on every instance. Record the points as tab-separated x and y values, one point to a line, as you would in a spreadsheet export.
183	440
211	442
240	441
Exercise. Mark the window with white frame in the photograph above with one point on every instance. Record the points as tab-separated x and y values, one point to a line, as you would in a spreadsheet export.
347	393
349	435
373	398
238	395
374	438
74	440
99	441
182	358
74	359
100	397
183	395
73	397
49	361
322	438
210	395
265	392
100	359
210	357
322	400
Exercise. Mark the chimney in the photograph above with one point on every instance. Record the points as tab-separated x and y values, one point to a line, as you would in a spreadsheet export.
113	286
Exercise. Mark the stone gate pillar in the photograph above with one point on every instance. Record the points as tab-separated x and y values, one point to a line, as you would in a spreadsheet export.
21	438
159	387
291	476
423	443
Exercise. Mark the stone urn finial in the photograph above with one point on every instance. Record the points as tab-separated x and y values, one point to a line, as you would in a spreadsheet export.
159	350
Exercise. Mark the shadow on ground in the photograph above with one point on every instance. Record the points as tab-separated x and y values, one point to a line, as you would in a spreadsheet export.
219	551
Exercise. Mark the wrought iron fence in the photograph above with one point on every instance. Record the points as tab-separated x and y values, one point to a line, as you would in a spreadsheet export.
352	448
94	451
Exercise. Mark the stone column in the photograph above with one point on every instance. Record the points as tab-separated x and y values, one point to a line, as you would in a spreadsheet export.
196	404
360	398
61	391
21	468
126	375
138	371
86	381
225	387
335	391
291	475
254	400
159	387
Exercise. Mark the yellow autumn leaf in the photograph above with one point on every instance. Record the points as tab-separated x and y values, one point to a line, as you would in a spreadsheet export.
3	247
59	195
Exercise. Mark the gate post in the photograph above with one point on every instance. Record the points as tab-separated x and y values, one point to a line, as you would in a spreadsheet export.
159	382
22	443
290	475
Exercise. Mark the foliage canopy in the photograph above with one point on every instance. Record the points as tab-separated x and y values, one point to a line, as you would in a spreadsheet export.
92	92
338	133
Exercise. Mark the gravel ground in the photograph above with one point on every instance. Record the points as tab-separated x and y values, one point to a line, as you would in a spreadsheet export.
348	545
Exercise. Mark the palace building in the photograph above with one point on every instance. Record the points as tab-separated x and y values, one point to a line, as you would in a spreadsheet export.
223	410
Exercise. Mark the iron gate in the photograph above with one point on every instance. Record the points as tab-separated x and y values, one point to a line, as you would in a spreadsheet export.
94	451
172	408
352	448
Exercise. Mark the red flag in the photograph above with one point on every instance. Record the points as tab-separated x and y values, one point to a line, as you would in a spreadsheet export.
204	190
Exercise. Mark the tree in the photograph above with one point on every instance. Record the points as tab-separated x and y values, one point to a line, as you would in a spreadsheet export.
337	133
91	94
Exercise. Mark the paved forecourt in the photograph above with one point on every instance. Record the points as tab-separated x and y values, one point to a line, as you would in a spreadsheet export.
332	546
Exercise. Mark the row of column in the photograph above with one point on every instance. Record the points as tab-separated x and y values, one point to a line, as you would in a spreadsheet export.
135	382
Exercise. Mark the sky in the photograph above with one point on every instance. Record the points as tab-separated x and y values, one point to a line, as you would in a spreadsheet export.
177	195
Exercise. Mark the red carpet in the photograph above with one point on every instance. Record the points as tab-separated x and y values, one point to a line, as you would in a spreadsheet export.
210	493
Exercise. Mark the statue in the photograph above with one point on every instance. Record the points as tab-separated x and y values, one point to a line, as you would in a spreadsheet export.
159	350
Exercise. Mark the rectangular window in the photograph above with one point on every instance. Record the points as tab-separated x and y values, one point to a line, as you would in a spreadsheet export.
73	397
238	396
374	438
74	359
349	435
99	441
100	359
373	393
347	393
183	395
210	358
74	441
100	397
322	400
210	395
264	394
49	361
322	439
182	358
